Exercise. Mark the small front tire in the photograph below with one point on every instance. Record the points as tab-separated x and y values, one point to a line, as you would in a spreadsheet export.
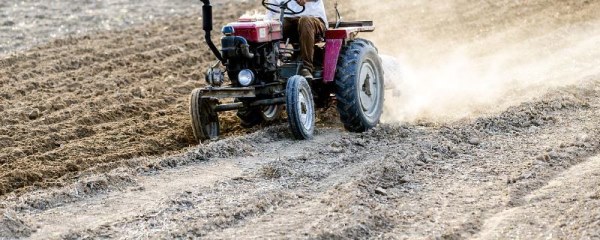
249	118
205	121
300	108
252	117
271	113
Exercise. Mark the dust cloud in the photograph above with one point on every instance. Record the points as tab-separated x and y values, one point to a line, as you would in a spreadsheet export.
458	59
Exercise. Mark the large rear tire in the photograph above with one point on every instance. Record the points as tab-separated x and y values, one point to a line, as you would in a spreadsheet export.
205	121
360	86
300	108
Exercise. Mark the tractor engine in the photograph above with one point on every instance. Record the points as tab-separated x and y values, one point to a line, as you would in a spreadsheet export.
250	51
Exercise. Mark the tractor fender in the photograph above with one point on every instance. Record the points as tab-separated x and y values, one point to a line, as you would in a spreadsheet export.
332	54
335	40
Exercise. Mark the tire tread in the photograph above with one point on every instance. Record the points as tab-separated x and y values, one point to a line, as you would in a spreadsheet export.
348	104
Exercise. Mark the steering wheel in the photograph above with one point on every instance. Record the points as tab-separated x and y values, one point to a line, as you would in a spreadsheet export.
286	9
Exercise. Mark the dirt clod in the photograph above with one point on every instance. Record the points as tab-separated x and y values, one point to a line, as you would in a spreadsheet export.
474	141
138	92
381	191
33	114
544	157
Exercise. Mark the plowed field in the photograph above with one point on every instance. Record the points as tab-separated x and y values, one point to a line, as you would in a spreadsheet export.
491	133
94	100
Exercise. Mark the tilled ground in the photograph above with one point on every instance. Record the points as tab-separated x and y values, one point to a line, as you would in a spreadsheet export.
24	24
479	179
94	100
84	121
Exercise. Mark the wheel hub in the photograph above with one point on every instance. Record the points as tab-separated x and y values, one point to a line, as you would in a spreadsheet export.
305	110
369	88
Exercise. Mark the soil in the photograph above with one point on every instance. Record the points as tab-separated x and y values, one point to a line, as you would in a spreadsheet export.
24	24
95	143
93	100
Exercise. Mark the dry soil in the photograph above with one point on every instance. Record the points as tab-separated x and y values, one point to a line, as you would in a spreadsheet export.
95	143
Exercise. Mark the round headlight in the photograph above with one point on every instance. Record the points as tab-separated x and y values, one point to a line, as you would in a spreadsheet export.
245	77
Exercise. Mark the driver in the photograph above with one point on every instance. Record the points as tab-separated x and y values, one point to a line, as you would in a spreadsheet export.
303	28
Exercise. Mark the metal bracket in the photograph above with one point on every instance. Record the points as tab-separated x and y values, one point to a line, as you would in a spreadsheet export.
228	92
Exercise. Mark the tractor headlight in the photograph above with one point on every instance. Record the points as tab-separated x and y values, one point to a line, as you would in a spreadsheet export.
246	77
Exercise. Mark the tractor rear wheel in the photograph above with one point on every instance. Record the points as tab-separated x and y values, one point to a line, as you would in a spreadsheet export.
205	121
360	86
300	107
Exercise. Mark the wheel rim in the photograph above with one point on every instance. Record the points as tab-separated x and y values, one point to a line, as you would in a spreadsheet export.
305	109
270	112
369	89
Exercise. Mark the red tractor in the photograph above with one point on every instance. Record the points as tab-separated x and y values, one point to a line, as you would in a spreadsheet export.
263	72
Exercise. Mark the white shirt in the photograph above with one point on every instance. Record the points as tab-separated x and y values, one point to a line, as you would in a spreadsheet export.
313	9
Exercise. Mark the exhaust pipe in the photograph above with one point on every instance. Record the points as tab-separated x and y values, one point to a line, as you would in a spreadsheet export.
207	26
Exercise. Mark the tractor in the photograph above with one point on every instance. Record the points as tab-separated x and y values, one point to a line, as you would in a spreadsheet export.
262	68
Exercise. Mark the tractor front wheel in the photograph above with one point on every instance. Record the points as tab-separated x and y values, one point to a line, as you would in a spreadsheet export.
205	121
271	113
360	86
300	107
249	117
255	116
